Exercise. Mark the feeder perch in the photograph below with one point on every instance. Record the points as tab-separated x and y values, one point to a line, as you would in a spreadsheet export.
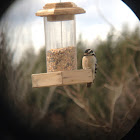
61	51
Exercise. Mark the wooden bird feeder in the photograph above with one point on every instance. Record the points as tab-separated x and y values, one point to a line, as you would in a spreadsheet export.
61	51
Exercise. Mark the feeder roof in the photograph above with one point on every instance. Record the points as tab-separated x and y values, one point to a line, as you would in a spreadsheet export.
63	8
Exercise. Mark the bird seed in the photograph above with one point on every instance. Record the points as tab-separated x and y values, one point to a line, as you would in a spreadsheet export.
61	59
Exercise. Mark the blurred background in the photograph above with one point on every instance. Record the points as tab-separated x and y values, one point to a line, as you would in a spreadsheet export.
108	110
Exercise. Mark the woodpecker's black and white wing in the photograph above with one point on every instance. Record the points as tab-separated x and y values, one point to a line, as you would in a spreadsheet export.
96	67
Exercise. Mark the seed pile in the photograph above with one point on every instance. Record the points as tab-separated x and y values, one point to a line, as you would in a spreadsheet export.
61	59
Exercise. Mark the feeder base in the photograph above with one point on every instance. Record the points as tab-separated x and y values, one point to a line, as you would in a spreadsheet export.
62	78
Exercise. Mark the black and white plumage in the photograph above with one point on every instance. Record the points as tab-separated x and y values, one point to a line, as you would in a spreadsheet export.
89	61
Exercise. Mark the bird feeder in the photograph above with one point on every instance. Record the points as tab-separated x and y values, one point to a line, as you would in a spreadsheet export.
61	51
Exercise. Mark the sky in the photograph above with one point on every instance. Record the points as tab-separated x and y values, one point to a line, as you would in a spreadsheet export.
93	25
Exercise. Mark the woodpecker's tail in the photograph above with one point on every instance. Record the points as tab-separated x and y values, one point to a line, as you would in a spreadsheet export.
89	85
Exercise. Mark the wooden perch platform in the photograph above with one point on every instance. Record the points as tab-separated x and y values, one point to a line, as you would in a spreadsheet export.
62	78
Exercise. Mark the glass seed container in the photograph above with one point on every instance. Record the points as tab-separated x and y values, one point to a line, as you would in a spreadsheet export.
60	35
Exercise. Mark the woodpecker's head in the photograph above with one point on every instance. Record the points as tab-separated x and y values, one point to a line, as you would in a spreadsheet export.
89	52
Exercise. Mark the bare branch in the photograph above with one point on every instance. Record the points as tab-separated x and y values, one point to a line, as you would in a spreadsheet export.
81	103
74	98
117	93
133	47
106	76
92	124
44	111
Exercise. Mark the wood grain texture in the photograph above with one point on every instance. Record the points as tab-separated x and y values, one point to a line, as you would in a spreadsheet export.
59	5
65	8
60	11
77	76
62	78
60	17
46	79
